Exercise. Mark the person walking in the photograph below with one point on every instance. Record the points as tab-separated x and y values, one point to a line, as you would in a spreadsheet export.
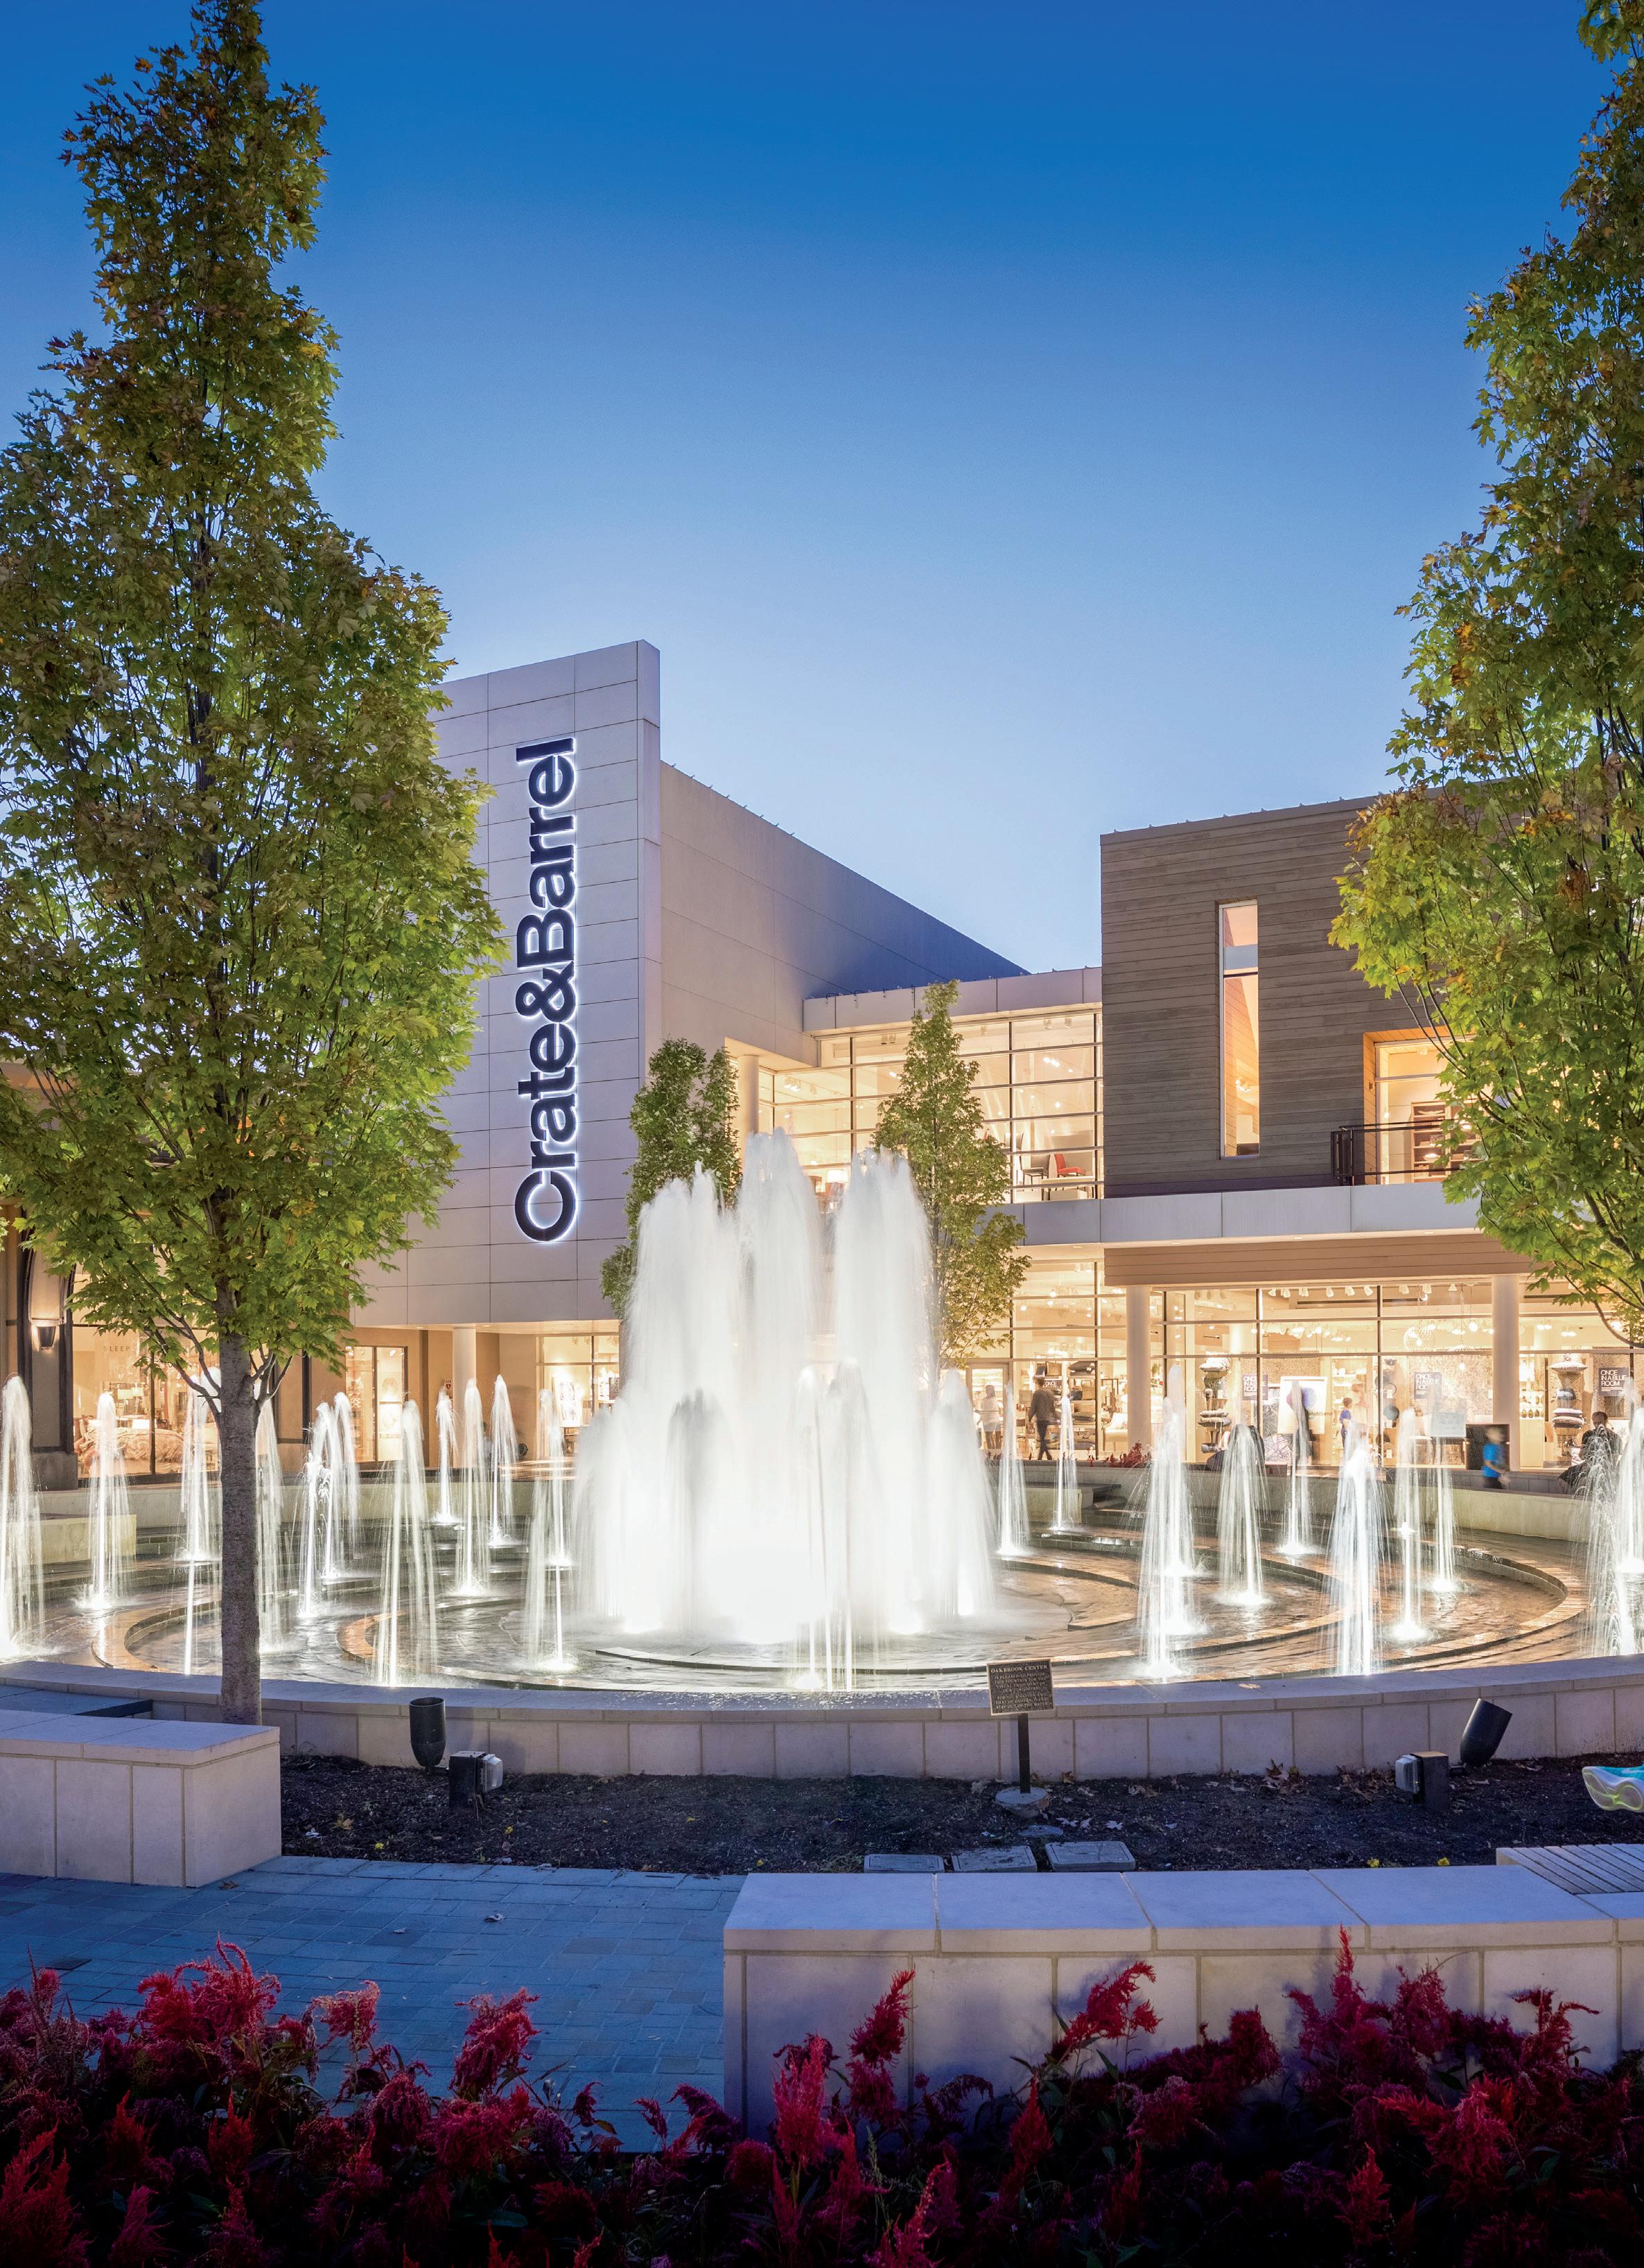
993	1421
1042	1415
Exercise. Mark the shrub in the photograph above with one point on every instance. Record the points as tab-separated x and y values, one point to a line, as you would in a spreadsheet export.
1406	2130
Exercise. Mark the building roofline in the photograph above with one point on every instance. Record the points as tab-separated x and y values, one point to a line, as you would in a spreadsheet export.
1031	992
1223	819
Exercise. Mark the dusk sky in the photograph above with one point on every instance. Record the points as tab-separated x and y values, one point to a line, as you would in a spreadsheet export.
1011	421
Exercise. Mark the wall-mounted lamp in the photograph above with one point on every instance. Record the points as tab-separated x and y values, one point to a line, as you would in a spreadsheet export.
43	1334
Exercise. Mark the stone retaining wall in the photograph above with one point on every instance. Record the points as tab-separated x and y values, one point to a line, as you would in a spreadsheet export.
1135	1731
998	1959
132	1800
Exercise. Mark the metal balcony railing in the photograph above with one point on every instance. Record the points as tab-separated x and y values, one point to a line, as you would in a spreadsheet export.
1409	1150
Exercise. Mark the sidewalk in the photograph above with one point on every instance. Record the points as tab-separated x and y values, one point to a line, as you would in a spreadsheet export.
627	1968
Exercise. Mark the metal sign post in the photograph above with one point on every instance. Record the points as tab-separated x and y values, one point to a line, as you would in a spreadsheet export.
1022	1690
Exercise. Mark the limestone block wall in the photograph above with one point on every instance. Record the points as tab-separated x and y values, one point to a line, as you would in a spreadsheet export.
997	1960
1134	1732
131	1799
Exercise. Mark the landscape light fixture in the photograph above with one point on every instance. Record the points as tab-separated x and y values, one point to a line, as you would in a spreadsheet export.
1481	1736
428	1730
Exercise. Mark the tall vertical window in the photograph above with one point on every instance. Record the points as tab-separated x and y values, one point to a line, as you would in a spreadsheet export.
1241	1034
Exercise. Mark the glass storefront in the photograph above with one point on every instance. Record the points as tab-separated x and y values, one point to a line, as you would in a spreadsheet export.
1066	1333
1350	1355
578	1362
1038	1082
373	1379
1573	1374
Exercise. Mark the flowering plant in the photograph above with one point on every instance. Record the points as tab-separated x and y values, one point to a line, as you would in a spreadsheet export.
1403	2130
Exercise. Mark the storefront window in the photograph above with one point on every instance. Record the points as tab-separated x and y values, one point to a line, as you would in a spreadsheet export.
1241	1034
1411	1120
115	1362
373	1379
1037	1085
1573	1372
577	1364
1352	1356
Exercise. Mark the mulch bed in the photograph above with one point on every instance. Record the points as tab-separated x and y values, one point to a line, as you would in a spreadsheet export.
336	1809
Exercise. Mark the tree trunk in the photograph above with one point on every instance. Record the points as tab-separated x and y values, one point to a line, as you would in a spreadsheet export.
237	1458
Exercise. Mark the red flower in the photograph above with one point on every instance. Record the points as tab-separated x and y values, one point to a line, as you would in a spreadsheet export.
1122	2206
1363	2204
351	2016
127	2156
905	2247
1112	2011
471	2138
565	2212
38	2227
750	2167
227	2001
1030	2140
496	2046
228	2144
880	2034
139	2242
800	2136
870	2087
235	2242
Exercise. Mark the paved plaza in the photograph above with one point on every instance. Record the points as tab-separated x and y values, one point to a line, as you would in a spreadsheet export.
627	1968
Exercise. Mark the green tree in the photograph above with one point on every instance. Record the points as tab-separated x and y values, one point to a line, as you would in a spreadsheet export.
1500	889
240	928
685	1116
960	1172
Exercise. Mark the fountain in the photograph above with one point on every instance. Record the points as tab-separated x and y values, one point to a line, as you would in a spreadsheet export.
1355	1561
1612	1578
503	1459
548	1560
200	1512
474	1529
346	1479
1629	1496
1409	1629
958	1578
405	1643
325	1495
21	1586
1442	1579
202	1524
1238	1520
109	1515
1066	1521
1165	1608
274	1580
446	1432
730	1496
1298	1537
1013	1540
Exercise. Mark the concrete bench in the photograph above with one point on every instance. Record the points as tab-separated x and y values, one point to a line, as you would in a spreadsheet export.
136	1799
997	1959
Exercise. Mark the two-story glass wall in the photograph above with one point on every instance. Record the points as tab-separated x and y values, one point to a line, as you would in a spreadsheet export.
1038	1083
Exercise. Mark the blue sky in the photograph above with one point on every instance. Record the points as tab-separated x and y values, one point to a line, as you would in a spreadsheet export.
1011	421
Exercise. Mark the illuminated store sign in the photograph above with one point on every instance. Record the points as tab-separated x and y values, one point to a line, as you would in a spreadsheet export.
545	954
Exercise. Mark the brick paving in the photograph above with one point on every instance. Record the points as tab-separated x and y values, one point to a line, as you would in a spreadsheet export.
627	1967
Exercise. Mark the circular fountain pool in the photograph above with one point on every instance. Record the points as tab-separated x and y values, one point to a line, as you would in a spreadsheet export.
1072	1599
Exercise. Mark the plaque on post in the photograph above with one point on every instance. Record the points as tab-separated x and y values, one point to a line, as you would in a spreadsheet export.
1022	1690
